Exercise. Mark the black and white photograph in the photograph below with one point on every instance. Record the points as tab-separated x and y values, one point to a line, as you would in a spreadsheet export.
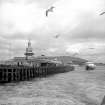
52	52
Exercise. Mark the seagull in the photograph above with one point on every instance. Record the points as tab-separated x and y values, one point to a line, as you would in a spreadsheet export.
56	36
102	13
49	10
91	48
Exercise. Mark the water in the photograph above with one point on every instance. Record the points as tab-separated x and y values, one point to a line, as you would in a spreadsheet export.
77	87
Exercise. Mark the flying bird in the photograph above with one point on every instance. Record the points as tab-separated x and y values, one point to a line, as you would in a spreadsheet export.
49	10
56	36
102	13
91	48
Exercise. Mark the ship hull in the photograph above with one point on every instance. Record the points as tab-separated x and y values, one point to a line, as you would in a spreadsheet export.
14	73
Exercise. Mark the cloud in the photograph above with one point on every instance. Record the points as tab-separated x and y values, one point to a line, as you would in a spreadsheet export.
86	47
77	21
89	50
29	18
21	18
90	29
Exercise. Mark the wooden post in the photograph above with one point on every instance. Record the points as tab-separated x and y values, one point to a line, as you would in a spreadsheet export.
18	74
29	72
35	72
3	76
25	74
6	74
0	74
44	72
32	73
12	76
15	72
22	74
38	71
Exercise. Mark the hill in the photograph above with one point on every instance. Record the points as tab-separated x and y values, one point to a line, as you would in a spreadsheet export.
68	59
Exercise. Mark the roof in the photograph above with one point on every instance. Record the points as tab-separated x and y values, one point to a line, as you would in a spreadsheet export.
36	60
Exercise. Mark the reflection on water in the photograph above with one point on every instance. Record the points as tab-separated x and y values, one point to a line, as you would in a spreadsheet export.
77	87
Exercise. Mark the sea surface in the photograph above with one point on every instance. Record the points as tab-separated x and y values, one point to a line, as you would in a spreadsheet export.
79	87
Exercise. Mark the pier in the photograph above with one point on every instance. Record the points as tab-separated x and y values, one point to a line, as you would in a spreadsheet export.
28	67
8	74
14	73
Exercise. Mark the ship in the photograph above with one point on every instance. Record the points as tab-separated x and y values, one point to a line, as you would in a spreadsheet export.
29	67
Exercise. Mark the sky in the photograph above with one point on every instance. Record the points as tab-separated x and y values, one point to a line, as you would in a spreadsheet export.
78	24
